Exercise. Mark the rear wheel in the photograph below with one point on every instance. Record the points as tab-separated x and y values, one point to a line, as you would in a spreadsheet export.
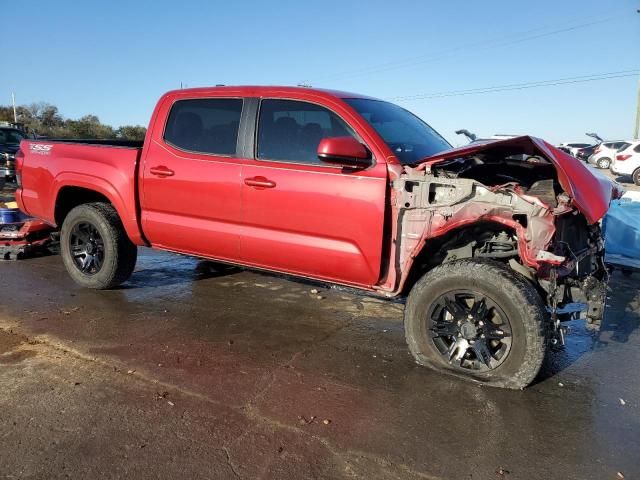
636	177
477	320
604	162
95	247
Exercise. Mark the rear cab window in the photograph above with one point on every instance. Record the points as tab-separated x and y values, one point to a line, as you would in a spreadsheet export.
291	130
205	125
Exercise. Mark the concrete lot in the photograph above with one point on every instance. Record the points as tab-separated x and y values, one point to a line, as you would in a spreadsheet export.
197	371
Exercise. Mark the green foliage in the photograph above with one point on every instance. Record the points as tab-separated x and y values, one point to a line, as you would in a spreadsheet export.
44	119
131	132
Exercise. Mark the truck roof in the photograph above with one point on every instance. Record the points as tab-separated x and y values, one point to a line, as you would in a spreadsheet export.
265	90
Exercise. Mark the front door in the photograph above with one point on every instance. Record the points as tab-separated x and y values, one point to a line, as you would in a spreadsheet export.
190	193
305	217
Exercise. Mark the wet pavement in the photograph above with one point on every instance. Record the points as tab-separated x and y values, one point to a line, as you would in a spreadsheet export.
198	371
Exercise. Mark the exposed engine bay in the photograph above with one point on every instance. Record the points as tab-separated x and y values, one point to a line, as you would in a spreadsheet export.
510	209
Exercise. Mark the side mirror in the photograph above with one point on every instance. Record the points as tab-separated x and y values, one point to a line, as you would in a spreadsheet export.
344	151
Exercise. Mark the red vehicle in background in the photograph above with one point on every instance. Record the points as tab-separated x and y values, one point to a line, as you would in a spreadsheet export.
490	243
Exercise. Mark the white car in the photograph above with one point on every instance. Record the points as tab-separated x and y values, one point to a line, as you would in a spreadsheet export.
627	161
605	153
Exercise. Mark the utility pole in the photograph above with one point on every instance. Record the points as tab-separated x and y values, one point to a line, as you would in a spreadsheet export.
636	132
15	116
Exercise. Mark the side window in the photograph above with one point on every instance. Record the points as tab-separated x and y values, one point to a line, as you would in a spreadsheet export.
637	149
290	131
208	125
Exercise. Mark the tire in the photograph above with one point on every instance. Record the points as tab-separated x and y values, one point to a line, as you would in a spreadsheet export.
507	294
604	162
100	222
636	177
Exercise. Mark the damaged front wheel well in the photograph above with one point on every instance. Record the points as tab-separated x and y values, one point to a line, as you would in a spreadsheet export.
484	240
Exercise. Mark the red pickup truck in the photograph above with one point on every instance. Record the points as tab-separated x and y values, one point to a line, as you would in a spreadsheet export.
493	243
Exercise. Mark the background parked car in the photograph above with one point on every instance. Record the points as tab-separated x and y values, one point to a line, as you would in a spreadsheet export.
572	148
9	143
627	161
606	152
584	153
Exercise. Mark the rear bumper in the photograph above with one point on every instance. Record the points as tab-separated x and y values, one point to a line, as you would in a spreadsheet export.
618	168
7	167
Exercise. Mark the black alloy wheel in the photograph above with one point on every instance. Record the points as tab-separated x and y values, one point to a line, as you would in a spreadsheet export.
470	330
87	248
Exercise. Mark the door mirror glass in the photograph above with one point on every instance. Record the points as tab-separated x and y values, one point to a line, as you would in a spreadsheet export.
345	151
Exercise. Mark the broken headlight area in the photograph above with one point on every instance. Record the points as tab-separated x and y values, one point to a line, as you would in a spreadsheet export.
577	287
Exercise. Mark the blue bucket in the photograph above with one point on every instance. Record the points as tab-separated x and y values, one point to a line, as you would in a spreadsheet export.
10	215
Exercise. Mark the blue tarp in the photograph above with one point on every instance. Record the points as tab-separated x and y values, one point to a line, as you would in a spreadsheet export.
622	233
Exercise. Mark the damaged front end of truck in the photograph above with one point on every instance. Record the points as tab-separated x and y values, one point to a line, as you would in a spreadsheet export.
518	201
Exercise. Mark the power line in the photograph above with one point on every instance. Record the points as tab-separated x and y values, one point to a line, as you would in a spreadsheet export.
484	45
520	86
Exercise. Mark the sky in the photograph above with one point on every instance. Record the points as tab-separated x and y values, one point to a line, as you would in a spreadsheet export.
114	59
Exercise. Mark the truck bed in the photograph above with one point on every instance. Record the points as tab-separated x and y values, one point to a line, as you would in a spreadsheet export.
55	170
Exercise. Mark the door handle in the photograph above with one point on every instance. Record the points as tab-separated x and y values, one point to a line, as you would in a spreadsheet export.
259	182
161	171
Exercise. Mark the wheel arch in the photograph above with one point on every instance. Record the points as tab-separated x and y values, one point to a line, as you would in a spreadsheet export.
76	190
435	248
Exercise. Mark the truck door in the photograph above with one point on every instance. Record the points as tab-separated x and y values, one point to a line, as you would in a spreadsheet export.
190	189
305	217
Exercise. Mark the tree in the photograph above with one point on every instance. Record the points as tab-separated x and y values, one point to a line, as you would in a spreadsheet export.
89	126
45	119
131	132
6	114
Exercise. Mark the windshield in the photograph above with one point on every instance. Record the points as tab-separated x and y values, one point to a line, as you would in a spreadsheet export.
407	136
10	136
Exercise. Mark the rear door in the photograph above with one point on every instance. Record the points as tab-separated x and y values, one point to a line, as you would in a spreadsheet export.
190	191
303	216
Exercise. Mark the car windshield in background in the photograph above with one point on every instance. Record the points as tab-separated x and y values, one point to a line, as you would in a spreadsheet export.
10	136
407	136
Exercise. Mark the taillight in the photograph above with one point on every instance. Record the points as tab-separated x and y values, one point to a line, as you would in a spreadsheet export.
621	158
19	163
597	150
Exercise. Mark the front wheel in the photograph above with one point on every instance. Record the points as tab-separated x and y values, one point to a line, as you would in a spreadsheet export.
95	247
477	320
